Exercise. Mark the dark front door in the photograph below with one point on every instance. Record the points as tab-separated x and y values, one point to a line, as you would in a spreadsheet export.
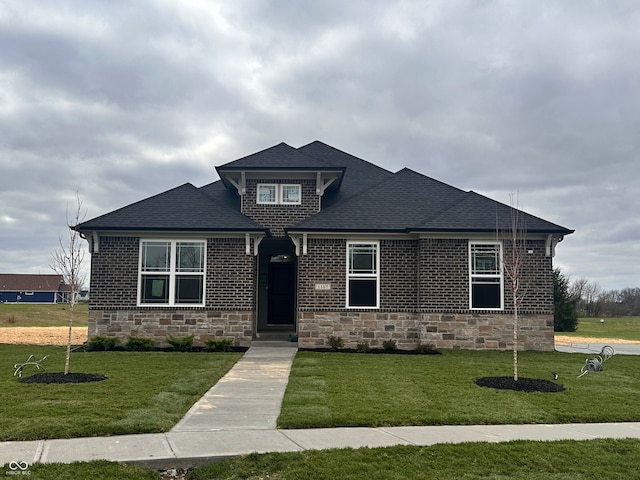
281	294
277	277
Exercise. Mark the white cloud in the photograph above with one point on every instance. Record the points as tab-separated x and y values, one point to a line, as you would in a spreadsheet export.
122	100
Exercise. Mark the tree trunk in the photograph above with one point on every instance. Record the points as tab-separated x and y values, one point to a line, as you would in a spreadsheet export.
68	356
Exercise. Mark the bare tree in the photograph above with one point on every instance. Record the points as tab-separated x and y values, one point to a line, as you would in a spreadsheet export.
513	261
67	261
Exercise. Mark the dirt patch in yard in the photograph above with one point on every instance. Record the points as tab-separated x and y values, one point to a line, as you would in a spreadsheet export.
42	335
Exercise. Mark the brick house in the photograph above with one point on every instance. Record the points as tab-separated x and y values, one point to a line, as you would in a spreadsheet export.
316	242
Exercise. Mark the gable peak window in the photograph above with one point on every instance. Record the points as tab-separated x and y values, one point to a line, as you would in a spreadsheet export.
282	194
363	274
486	277
172	272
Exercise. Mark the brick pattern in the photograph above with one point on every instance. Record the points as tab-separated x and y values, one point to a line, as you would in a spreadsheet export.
399	275
277	217
424	298
325	263
229	302
231	275
114	272
443	275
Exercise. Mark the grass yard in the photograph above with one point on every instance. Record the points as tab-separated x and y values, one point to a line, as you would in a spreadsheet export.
588	460
624	328
336	389
144	392
42	315
519	460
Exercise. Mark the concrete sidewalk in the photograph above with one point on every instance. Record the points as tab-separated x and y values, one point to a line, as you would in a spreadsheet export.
238	416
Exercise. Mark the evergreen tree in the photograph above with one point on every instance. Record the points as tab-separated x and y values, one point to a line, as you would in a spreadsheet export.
565	318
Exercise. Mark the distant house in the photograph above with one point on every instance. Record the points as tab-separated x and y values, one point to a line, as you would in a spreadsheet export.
32	288
314	242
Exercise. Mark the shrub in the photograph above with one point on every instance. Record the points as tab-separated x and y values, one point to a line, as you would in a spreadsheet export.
389	345
139	344
101	343
218	345
426	349
181	344
335	343
363	348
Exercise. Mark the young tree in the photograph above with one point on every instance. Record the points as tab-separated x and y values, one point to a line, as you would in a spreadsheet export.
67	261
513	261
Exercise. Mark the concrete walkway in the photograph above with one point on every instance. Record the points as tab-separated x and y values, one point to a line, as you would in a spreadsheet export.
238	416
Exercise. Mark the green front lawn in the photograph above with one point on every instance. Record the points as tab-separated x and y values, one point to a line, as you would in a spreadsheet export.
519	460
623	328
144	392
337	389
565	460
42	315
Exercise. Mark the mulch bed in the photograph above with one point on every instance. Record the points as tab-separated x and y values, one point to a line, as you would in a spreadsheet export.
60	377
522	385
373	350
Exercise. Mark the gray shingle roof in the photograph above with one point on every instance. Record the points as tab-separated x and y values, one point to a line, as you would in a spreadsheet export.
184	208
278	157
359	176
370	198
409	201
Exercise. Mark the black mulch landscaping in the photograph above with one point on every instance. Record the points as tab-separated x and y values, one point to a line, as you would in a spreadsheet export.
522	385
373	350
60	377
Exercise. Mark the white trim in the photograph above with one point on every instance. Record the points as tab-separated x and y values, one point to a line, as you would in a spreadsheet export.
275	194
499	275
363	276
282	187
172	272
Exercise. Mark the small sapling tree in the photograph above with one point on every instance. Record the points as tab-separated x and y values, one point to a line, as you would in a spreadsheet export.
67	261
513	262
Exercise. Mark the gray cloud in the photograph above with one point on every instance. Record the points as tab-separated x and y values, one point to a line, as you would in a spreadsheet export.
121	100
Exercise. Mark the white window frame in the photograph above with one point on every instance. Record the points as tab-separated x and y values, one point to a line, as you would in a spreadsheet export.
287	202
363	276
173	272
475	277
275	196
279	197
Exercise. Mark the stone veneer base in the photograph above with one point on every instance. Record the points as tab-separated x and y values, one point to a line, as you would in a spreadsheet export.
469	331
159	324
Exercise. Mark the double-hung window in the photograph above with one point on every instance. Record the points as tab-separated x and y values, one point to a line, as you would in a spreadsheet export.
486	277
172	272
363	274
272	193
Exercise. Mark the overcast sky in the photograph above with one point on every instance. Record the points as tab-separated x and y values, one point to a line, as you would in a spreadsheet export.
121	100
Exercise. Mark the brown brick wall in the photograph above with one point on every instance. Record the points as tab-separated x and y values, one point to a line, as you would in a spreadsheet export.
325	263
277	217
114	272
443	274
399	275
229	301
437	312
